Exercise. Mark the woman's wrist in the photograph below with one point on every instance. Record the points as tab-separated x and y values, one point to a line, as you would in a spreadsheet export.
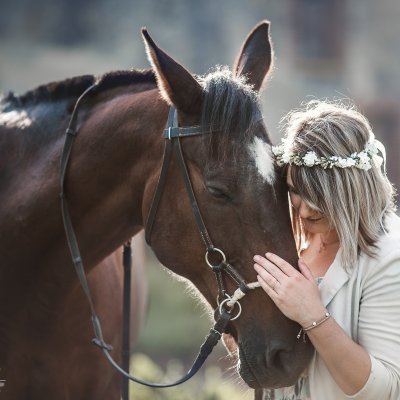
306	328
317	322
313	317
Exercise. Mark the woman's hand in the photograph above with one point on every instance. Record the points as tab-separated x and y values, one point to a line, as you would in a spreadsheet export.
295	293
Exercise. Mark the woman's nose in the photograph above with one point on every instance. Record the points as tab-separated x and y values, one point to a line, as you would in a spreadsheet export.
304	210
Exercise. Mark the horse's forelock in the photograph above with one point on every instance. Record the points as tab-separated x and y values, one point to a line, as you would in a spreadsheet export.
230	105
231	109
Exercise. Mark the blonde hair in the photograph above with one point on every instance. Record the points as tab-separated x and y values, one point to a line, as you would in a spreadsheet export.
355	201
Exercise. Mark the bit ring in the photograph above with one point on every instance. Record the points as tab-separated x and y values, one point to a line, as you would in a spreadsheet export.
236	302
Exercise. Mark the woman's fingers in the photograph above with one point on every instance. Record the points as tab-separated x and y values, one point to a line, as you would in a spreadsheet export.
276	266
305	270
267	267
283	265
294	292
266	276
270	289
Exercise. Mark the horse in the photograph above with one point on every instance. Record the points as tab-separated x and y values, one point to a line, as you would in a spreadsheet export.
111	179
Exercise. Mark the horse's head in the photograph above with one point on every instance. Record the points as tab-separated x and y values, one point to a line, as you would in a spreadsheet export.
242	196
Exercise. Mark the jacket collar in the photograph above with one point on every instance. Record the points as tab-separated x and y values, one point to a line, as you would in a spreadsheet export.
333	280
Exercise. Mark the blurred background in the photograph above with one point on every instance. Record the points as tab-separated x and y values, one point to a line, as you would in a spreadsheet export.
323	49
333	49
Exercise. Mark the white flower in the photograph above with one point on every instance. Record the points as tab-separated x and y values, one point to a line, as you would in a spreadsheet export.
310	159
345	162
351	162
364	161
286	157
365	167
371	148
277	150
341	162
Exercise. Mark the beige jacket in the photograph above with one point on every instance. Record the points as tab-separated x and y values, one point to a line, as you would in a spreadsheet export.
366	303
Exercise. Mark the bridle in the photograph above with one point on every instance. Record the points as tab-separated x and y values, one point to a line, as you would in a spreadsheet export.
172	135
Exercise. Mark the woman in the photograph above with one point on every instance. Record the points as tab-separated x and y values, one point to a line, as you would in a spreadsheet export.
346	293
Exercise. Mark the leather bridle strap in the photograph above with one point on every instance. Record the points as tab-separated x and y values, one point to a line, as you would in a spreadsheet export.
126	314
71	133
215	332
223	266
173	133
160	183
206	348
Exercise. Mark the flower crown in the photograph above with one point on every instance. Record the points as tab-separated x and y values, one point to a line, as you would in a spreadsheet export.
361	160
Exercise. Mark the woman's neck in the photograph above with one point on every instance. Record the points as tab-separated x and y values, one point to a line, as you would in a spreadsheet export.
321	252
327	241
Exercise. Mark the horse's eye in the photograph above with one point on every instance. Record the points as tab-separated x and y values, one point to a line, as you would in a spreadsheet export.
218	193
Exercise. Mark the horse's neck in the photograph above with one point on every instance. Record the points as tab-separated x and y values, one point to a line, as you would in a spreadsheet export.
115	154
28	187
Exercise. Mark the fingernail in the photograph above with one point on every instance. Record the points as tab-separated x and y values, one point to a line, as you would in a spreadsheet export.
256	257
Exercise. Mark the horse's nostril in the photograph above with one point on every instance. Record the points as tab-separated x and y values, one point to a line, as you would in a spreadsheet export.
277	356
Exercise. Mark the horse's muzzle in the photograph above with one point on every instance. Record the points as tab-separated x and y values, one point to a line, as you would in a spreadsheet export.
277	365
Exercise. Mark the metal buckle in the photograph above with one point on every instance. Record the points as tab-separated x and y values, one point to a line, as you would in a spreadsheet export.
218	251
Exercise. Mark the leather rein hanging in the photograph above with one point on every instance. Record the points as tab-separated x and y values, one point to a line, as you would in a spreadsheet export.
172	134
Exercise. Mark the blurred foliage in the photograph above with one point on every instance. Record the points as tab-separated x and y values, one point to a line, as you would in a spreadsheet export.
177	321
176	326
208	385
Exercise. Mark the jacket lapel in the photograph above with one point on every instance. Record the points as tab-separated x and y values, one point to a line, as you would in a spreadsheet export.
333	280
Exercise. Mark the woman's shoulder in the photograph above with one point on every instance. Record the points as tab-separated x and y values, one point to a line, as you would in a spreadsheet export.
390	239
387	251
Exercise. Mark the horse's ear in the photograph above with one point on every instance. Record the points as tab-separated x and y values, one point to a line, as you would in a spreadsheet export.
176	84
255	57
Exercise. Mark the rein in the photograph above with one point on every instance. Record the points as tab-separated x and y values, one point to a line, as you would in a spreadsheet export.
172	134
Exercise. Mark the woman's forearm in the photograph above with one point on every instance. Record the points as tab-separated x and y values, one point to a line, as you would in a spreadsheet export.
348	362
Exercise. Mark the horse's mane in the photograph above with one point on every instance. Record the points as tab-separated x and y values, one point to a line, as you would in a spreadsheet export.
230	105
228	102
74	87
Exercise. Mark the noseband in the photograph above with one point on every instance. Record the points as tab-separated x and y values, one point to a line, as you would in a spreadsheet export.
226	303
